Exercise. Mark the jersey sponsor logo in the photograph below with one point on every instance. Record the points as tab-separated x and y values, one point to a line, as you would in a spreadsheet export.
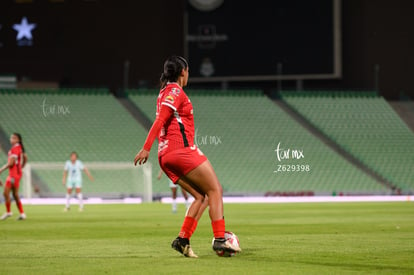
169	99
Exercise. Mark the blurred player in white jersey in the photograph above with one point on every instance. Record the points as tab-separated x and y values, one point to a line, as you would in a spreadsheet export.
72	178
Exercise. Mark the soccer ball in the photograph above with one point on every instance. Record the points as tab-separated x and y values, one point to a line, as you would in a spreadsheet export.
233	239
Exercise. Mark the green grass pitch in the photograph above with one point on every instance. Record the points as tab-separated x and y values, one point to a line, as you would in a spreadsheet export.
320	238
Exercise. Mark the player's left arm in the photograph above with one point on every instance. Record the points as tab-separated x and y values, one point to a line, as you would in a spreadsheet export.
9	164
88	174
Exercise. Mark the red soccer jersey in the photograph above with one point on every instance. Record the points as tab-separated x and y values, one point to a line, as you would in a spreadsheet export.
178	131
16	153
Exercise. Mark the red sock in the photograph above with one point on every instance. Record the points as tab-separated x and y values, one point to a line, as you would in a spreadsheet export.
186	231
20	206
193	227
218	228
8	206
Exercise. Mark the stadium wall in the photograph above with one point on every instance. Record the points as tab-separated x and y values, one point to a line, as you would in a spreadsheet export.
373	33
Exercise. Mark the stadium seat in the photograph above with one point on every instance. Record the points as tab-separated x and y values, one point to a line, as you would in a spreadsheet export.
365	126
92	122
249	127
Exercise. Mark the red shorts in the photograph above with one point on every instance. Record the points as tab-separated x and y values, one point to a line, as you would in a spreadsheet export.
13	182
180	162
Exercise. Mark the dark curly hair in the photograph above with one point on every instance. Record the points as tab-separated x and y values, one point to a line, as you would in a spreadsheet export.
172	69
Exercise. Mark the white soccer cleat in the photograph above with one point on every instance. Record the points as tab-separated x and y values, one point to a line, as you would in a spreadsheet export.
80	209
66	209
183	246
6	215
188	252
21	217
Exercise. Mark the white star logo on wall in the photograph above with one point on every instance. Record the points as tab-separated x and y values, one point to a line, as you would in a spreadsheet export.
24	29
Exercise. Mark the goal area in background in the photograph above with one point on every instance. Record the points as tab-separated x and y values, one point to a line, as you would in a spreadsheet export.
112	180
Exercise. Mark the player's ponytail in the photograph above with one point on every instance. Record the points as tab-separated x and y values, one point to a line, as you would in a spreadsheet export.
19	136
172	69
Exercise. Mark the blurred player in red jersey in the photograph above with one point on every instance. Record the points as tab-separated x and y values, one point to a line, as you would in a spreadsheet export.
182	161
17	158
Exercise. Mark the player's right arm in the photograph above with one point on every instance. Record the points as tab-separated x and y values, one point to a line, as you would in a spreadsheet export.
163	116
65	173
10	163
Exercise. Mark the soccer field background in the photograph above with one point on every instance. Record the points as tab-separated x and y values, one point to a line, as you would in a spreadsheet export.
318	238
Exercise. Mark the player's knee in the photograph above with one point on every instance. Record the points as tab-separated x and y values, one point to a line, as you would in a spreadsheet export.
205	200
198	197
217	189
220	189
16	196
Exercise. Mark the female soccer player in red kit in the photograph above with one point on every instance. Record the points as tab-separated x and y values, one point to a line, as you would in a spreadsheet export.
16	161
182	161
